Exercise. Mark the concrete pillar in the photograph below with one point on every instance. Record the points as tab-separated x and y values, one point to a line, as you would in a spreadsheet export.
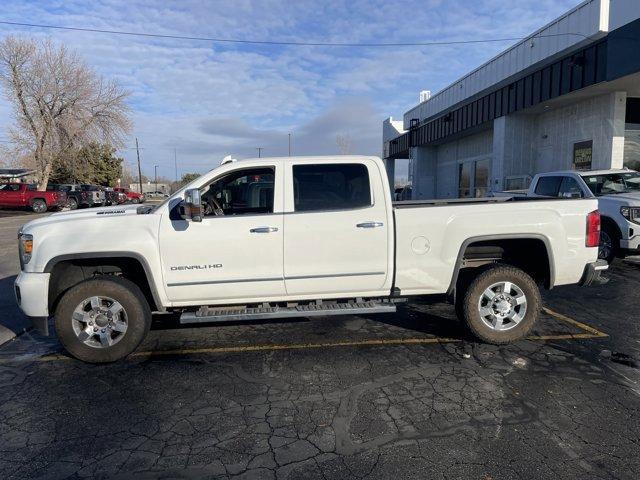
513	148
424	160
615	131
390	165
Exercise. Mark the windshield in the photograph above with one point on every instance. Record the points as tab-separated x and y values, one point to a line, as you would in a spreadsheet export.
611	183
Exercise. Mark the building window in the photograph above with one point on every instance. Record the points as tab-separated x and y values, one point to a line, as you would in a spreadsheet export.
474	178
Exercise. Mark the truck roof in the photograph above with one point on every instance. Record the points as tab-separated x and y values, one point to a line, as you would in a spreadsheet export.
585	173
311	159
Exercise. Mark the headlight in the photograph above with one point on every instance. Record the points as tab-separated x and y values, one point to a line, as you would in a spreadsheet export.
25	247
631	213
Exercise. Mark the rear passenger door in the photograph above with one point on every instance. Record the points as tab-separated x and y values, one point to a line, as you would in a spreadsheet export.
337	234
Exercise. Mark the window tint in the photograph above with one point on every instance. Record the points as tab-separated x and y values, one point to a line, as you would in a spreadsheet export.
248	191
10	187
548	186
331	187
569	188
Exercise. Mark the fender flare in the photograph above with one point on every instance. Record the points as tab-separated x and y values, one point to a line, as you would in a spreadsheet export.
119	254
484	238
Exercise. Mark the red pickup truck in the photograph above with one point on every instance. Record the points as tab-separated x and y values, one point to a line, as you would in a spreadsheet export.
20	195
133	197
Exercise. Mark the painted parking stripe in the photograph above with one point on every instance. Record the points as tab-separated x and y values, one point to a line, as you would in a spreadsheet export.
587	333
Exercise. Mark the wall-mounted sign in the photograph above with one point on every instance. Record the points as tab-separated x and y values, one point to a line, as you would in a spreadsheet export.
582	155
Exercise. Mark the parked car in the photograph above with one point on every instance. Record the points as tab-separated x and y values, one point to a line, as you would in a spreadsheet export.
618	195
299	237
113	197
133	197
77	196
157	194
24	195
96	196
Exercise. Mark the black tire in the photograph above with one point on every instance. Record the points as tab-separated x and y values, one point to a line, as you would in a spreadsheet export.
125	292
39	205
609	244
135	200
475	295
72	203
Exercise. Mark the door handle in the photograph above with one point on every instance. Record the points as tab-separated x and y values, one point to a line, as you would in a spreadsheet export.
263	230
370	224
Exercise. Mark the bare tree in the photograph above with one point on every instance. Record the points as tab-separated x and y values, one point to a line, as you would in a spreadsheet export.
60	103
345	144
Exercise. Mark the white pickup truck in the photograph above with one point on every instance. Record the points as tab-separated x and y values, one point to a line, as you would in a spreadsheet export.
297	236
618	194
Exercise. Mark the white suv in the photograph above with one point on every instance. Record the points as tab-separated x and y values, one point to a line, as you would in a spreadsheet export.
618	194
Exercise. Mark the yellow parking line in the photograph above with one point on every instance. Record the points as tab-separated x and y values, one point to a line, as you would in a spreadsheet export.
269	347
591	331
588	332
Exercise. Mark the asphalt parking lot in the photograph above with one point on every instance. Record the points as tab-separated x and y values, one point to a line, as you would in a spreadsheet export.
407	395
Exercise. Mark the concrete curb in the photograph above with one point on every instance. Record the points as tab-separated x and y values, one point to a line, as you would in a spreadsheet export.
6	335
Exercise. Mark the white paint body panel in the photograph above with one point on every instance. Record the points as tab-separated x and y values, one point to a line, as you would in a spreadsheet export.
317	255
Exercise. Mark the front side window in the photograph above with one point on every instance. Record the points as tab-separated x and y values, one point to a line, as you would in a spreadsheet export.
339	186
9	187
611	183
548	186
242	192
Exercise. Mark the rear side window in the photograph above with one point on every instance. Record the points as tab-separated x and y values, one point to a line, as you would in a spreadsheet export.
548	186
340	186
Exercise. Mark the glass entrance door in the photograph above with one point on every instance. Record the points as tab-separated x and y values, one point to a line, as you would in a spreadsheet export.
474	178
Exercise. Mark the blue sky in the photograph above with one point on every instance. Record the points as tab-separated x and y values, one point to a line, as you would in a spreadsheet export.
208	100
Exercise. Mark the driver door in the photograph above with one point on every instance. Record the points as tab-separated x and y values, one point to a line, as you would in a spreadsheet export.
236	252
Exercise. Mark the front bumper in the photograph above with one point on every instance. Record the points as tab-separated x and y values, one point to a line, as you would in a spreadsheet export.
593	273
32	293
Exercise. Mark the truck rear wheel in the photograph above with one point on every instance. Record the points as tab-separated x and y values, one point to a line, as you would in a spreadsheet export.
501	305
103	319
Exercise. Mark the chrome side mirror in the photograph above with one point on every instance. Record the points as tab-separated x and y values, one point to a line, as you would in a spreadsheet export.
192	205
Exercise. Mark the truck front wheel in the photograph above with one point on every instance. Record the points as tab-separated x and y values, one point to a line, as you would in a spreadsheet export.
103	319
501	305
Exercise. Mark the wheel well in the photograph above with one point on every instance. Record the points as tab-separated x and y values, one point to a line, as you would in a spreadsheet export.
528	254
68	273
37	198
609	224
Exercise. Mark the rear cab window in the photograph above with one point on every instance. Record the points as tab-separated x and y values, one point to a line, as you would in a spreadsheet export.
333	186
548	186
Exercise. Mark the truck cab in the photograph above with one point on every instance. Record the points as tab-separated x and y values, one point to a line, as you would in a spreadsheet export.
618	195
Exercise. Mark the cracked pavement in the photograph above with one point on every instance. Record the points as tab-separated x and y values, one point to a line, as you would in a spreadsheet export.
552	409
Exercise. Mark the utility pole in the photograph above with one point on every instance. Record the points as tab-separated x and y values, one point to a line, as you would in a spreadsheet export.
289	144
155	167
139	171
175	163
259	151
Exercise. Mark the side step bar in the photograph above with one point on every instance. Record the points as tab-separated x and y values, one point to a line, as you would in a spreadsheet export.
232	314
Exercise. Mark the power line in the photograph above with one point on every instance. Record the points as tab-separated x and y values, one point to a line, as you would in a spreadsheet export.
284	43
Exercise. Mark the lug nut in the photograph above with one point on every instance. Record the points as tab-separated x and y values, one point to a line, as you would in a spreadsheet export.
103	330
95	329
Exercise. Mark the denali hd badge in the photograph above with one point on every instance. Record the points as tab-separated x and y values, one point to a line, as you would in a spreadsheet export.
196	267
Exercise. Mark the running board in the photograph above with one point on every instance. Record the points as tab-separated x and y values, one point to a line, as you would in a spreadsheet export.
233	314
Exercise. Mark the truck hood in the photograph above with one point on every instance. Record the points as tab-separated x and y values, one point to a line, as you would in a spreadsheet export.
630	198
82	214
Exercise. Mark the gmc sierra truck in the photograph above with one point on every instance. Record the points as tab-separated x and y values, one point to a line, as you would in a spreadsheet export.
298	237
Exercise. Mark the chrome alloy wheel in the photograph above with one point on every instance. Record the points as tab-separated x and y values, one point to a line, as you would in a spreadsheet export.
99	322
502	306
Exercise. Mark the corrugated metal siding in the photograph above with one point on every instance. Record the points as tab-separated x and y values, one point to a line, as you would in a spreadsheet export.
587	20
